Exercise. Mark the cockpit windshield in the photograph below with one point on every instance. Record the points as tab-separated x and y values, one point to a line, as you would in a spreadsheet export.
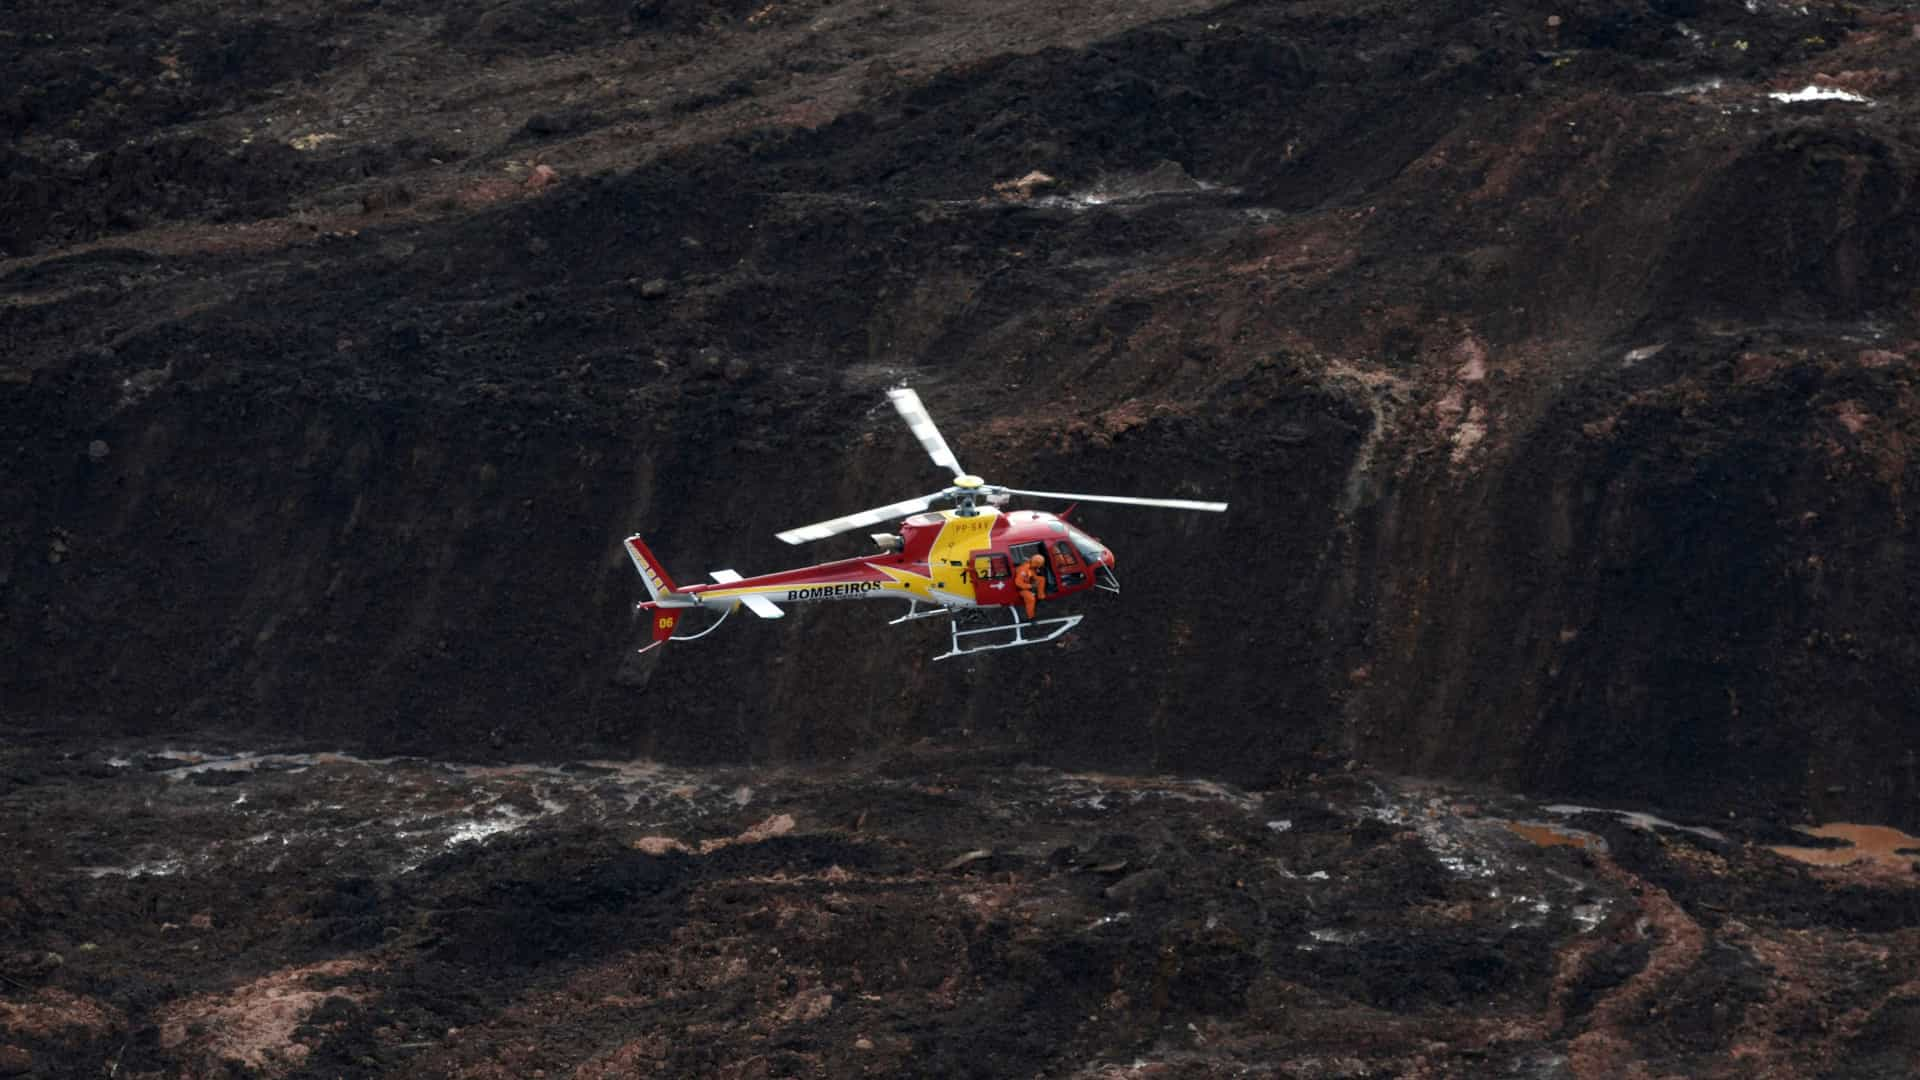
1090	549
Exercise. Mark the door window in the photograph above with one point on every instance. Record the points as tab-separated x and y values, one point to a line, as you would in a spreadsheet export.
989	567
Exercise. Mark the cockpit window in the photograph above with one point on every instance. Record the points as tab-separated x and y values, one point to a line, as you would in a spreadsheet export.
1090	549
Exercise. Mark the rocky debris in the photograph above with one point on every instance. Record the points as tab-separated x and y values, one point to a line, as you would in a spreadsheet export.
1407	930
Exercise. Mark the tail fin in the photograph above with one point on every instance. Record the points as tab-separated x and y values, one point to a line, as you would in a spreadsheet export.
659	585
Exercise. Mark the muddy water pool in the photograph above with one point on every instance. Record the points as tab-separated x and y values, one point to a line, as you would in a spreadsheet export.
1864	843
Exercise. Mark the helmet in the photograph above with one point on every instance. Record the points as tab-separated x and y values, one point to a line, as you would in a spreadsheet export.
1037	559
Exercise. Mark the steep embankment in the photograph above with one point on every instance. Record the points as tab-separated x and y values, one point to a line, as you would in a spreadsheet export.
1560	373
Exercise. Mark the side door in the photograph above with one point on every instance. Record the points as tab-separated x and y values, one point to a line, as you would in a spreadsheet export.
992	578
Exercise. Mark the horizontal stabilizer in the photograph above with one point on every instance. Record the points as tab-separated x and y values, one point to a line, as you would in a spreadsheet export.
759	605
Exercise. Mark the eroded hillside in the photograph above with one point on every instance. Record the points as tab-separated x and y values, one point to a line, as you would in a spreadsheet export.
1558	360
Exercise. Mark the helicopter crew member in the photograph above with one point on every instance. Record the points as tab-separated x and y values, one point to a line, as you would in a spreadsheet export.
1031	580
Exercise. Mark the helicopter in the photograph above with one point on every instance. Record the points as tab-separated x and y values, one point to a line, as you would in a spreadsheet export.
957	563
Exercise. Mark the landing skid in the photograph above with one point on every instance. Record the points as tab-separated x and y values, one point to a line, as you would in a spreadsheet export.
1013	635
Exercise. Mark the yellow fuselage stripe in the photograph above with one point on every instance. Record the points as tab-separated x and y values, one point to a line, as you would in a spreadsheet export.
959	537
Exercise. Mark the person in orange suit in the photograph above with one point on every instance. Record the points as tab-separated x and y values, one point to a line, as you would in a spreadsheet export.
1031	581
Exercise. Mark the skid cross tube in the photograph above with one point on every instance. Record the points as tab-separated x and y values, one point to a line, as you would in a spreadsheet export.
1022	631
917	610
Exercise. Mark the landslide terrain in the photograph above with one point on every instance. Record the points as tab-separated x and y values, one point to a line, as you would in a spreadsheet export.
179	912
1558	360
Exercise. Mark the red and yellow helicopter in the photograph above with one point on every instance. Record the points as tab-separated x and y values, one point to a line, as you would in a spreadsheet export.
958	563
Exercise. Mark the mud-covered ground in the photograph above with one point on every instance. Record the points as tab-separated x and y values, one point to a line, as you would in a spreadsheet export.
200	911
1560	360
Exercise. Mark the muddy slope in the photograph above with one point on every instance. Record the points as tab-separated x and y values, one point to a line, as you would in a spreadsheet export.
1560	373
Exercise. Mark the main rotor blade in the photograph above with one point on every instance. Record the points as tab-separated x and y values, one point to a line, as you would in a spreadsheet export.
907	403
835	526
1171	504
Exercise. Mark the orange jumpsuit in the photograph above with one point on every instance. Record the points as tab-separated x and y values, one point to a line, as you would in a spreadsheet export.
1030	581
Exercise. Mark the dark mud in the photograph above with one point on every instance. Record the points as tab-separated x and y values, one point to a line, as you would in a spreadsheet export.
1559	361
931	914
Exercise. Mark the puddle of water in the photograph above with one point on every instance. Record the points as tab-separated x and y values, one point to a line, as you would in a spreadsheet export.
1637	819
192	762
1554	836
1819	93
158	868
1138	788
1876	843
